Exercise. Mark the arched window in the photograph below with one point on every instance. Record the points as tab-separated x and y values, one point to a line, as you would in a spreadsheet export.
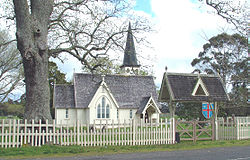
99	111
107	111
103	108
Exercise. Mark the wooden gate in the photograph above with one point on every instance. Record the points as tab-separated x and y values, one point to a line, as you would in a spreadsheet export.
195	130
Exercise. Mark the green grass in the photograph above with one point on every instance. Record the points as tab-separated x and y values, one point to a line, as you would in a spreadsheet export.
6	117
59	151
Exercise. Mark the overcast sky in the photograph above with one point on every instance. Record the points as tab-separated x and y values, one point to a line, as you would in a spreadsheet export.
182	27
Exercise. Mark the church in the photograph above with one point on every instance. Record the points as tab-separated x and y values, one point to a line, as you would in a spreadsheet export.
94	97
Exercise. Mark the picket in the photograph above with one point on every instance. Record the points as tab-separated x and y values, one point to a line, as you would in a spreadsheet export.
233	128
16	133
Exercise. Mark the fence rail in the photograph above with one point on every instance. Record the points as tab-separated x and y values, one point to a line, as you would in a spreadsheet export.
16	133
231	128
195	130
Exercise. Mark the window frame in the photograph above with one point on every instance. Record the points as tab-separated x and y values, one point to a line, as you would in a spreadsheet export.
103	108
67	113
130	113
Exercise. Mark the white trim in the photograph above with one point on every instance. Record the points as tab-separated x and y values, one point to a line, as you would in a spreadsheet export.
165	82
103	84
148	105
200	83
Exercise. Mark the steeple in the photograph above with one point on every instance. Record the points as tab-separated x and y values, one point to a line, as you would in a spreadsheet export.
130	62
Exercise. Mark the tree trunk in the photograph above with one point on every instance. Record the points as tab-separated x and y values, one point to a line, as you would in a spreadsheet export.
32	32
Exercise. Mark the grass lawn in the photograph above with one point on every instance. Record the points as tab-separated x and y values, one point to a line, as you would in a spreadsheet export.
59	151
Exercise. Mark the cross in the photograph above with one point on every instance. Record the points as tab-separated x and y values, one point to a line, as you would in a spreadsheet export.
208	109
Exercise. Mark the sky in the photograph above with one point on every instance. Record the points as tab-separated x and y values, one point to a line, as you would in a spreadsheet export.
182	27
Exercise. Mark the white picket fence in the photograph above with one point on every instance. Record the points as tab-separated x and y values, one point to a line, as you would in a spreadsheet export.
16	133
233	128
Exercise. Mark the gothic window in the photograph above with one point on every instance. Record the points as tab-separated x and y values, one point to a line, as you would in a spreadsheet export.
107	111
99	111
103	108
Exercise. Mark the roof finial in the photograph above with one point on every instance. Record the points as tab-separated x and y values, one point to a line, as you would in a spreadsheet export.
166	68
103	78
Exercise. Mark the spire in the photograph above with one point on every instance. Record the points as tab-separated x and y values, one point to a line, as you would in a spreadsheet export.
130	59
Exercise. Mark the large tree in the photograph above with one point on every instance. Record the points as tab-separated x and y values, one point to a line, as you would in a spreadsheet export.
226	55
81	28
234	12
32	41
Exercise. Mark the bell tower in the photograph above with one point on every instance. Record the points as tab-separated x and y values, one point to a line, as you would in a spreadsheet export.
130	64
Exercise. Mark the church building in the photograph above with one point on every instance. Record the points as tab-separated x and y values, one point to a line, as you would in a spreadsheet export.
94	97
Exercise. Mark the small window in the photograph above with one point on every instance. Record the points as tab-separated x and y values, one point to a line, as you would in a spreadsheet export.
141	116
67	113
117	114
130	114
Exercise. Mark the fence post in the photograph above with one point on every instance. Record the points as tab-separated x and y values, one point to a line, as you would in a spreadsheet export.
40	131
3	133
9	132
194	131
78	133
214	131
32	132
237	128
113	133
18	133
174	128
134	132
54	132
14	133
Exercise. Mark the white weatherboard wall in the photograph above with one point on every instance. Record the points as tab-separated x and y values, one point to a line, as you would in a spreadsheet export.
89	115
125	114
61	116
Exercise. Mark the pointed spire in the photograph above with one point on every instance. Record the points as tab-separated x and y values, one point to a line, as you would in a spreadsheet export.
130	59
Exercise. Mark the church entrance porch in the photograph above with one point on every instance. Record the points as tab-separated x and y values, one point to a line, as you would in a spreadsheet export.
150	112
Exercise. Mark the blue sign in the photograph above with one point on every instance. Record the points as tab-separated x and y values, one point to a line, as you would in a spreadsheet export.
207	110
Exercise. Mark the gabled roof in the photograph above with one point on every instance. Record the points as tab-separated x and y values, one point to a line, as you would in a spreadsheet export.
145	103
64	96
180	86
128	91
200	88
130	59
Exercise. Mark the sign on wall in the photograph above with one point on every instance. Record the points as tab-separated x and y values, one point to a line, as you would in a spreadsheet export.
207	109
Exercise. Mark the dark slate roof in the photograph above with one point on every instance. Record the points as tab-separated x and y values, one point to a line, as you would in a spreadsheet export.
143	103
181	87
64	96
130	59
128	91
85	86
